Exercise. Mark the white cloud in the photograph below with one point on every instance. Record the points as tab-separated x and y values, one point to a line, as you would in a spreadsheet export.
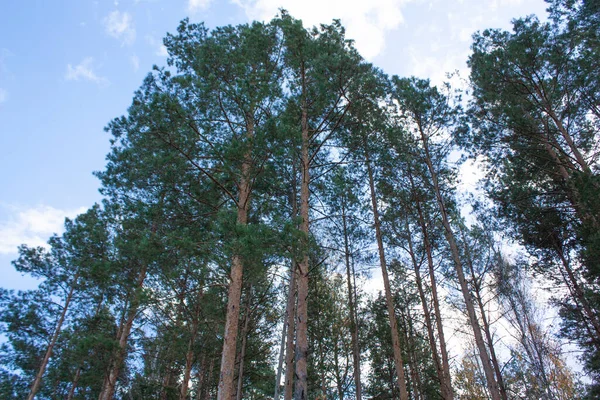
367	22
198	5
32	226
3	95
135	62
120	26
161	50
84	71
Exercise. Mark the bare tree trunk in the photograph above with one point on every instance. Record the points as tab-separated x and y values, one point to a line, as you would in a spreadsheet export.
447	392
427	315
226	377
488	335
240	382
398	363
410	335
189	358
282	346
289	351
290	310
485	359
352	316
38	377
200	377
207	394
301	387
74	384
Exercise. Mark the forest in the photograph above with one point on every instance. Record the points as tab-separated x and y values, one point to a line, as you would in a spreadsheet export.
283	220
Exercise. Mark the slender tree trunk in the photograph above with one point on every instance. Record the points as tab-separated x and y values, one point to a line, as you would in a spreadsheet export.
488	334
485	359
201	377
110	382
577	292
398	363
189	358
352	316
209	381
410	334
74	384
282	346
226	377
447	392
240	382
301	387
291	306
289	351
427	315
57	329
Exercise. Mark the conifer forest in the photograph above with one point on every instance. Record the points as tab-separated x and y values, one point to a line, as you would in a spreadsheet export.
282	220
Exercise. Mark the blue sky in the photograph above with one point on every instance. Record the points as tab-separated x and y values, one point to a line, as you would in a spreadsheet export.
67	67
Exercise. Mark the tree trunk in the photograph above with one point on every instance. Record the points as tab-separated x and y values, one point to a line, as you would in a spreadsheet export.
201	378
290	309
38	377
110	382
427	315
291	319
485	359
282	346
240	382
207	393
447	392
398	363
488	335
74	384
226	377
352	316
301	387
577	293
189	358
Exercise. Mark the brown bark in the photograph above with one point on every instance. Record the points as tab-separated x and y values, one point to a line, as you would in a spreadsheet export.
226	377
189	357
487	330
110	381
290	309
240	382
74	384
289	351
427	315
38	377
447	392
207	393
414	367
282	346
485	359
301	387
201	377
398	362
352	316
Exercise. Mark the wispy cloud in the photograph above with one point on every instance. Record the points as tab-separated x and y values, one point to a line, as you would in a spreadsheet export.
161	50
135	62
3	95
32	226
367	22
120	26
198	5
84	71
